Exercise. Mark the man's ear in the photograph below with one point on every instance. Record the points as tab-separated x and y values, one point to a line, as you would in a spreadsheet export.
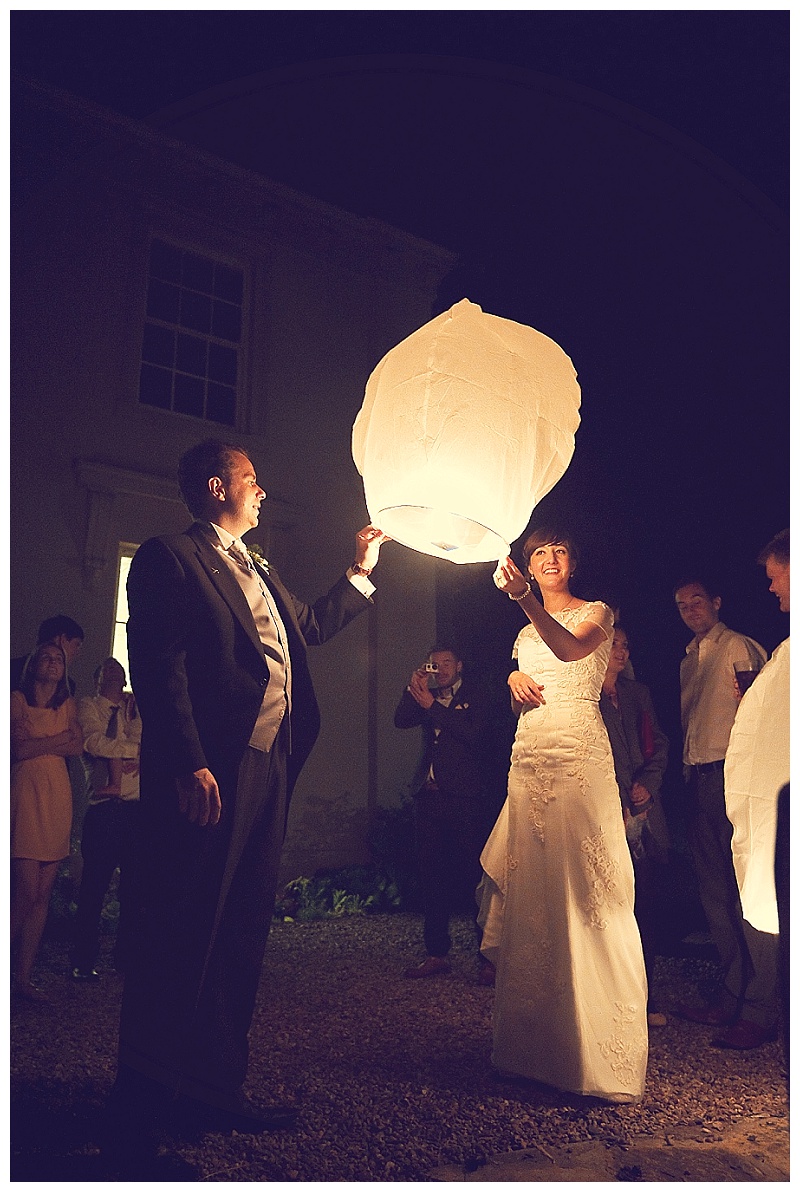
716	603
216	488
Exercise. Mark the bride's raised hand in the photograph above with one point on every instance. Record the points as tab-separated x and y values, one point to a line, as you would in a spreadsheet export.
508	578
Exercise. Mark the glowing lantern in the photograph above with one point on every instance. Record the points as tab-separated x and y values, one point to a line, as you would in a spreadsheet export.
756	768
464	427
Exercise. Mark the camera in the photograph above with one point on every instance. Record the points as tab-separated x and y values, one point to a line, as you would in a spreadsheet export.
432	668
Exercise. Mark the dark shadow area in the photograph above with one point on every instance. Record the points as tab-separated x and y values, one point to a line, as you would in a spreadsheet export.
55	1134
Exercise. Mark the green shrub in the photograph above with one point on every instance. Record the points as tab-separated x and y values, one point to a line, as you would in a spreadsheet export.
389	883
391	843
354	890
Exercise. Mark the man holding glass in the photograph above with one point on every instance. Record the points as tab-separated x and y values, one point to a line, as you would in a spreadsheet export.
709	701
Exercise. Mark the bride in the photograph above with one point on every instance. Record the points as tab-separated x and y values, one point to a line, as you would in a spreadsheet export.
556	895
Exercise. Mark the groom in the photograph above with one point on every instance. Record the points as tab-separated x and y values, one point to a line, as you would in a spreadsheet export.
217	651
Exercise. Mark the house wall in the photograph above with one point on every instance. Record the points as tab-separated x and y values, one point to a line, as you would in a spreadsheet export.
327	294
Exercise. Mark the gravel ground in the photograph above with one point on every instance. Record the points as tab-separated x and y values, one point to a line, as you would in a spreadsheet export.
392	1076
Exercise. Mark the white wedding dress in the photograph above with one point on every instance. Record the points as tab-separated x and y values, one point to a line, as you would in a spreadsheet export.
556	897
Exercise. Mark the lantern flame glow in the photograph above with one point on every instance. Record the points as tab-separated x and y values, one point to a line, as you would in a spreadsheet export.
465	426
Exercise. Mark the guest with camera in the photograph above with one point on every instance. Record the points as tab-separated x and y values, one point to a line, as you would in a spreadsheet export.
449	792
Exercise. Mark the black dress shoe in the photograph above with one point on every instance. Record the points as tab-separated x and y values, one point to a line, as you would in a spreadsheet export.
135	1146
242	1117
745	1035
714	1014
86	975
155	1168
134	1121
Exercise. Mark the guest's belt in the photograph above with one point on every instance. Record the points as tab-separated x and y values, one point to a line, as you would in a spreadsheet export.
709	767
111	802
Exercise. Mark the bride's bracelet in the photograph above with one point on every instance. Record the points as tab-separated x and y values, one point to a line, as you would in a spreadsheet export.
522	595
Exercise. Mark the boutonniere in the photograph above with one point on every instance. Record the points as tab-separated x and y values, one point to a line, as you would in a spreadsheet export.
257	556
461	707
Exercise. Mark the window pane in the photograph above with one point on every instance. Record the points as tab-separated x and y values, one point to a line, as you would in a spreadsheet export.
189	395
228	283
192	333
221	404
227	321
165	261
163	301
119	646
191	355
155	386
122	590
222	364
198	273
158	346
195	311
119	650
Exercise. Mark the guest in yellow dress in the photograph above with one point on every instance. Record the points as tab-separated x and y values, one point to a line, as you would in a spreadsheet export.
44	732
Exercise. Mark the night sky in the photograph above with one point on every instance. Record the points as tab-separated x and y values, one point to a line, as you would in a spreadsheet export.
720	77
648	496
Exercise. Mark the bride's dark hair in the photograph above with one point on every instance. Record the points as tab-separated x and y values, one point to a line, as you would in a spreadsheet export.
549	536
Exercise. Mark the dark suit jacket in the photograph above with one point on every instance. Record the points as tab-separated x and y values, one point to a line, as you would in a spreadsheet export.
197	665
456	753
624	732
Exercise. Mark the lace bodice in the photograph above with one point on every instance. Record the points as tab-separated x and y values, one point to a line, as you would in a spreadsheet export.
567	680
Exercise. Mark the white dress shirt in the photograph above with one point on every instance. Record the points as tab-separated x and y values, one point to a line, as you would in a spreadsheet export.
708	697
94	713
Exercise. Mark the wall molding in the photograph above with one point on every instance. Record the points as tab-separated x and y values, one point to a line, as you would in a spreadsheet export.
105	482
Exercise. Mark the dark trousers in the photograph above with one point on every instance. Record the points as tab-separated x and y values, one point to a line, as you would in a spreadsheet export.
782	893
206	900
108	840
647	885
710	833
448	852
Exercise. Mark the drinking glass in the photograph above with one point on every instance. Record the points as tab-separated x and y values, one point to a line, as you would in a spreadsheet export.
745	672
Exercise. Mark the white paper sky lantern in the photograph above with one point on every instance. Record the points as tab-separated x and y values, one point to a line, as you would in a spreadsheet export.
756	768
465	426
